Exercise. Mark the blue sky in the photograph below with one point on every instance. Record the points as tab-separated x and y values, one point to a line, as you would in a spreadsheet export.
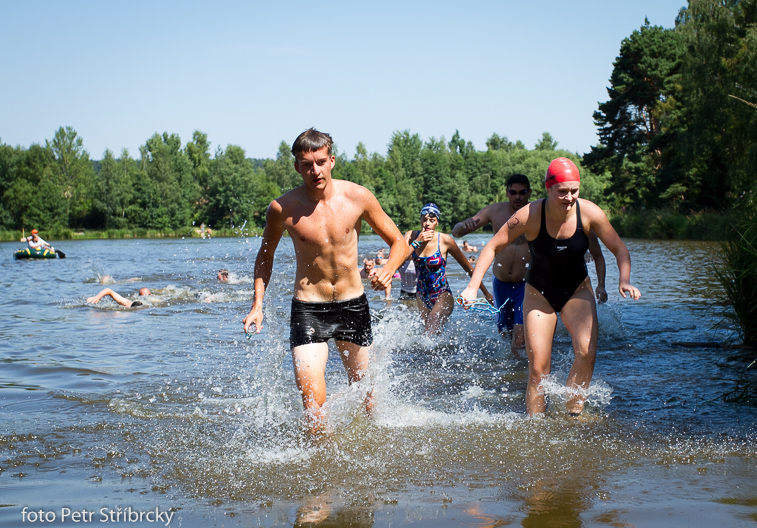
255	73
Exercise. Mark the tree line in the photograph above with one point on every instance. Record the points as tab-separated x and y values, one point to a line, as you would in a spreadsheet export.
171	185
678	131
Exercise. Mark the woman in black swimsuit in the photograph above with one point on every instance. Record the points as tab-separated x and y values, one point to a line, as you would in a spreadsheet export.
557	229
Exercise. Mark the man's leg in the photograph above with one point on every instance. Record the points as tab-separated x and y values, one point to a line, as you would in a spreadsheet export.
580	318
356	360
519	336
310	374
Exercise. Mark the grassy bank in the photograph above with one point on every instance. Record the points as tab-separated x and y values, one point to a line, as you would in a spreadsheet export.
73	234
666	224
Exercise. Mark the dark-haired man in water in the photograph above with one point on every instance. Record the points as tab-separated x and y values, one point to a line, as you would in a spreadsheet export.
323	218
509	268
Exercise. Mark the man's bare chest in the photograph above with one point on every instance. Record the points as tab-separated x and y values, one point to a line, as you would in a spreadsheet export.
326	225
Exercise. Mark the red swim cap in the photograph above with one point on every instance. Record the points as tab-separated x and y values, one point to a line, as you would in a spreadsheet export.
34	231
561	170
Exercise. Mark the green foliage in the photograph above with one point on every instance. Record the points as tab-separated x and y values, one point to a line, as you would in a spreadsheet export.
680	128
115	189
73	176
236	193
166	191
281	170
671	223
719	141
638	122
738	275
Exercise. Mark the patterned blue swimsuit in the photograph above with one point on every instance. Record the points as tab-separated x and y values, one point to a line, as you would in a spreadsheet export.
432	277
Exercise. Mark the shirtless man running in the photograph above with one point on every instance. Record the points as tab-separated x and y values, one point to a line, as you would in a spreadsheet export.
509	269
323	218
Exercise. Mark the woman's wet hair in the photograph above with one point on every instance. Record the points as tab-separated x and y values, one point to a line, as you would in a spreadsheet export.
310	141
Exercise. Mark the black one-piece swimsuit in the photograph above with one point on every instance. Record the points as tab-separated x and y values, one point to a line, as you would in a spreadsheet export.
557	267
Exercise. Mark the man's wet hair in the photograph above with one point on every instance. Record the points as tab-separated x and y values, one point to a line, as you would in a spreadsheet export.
136	303
310	141
518	178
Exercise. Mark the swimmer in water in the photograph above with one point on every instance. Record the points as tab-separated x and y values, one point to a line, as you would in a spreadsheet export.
323	217
557	229
123	301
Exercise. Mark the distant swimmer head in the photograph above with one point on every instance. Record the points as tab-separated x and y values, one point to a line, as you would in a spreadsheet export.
431	209
561	170
144	291
223	275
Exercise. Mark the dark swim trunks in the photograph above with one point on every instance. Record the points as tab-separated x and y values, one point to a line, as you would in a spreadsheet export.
508	297
317	322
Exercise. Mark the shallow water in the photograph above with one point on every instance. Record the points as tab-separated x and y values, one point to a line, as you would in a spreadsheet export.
117	411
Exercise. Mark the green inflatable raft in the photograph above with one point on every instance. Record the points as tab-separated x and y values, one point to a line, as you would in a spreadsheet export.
29	253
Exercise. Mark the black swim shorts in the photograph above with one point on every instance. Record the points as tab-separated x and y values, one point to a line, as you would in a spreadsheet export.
317	322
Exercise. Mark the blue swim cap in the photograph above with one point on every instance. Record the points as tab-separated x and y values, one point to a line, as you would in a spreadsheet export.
431	210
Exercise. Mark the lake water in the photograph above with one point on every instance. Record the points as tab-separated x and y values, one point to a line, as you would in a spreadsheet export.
168	410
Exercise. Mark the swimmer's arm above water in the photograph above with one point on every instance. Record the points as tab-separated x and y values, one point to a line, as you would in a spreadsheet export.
274	230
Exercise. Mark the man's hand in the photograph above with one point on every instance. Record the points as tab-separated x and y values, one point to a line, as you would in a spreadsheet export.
254	318
465	227
381	280
601	294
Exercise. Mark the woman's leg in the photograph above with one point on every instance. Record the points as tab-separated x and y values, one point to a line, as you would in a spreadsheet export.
439	314
539	320
580	318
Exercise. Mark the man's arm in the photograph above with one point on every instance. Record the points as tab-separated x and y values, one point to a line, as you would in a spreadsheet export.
599	265
513	228
469	225
384	227
115	296
274	229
